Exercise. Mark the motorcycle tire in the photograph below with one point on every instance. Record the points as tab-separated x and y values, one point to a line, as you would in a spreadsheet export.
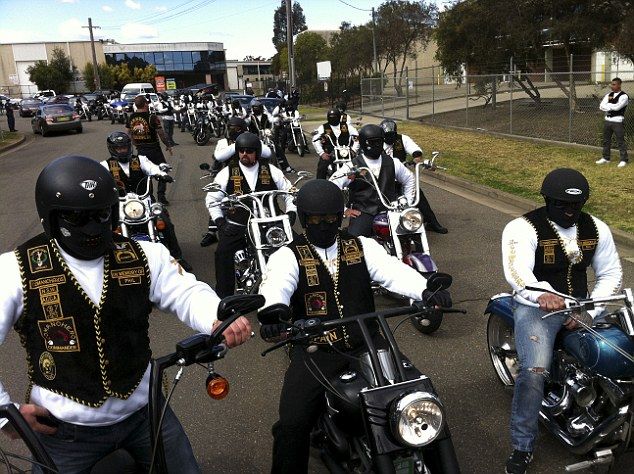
99	116
202	138
301	151
90	117
427	325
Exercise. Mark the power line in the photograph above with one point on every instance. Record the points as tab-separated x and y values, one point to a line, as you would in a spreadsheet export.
352	6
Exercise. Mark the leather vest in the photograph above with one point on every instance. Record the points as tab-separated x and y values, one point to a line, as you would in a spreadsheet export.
342	140
238	184
363	195
130	184
551	262
614	99
142	131
258	124
320	294
84	351
398	149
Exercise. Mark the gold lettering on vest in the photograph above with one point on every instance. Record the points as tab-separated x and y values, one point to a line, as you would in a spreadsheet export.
40	259
129	276
330	337
60	335
124	252
351	253
236	177
588	244
47	281
549	250
308	261
265	176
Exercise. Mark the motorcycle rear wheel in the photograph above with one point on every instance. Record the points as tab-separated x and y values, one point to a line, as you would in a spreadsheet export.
501	343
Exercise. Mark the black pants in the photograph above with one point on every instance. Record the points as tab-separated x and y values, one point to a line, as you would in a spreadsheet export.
11	121
361	225
280	137
618	129
228	245
155	155
168	126
171	242
322	167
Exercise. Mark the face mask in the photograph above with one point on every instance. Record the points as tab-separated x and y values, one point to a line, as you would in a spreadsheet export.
86	235
564	214
333	121
390	138
233	133
323	234
373	148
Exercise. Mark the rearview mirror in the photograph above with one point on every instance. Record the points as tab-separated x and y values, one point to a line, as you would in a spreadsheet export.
439	281
204	166
242	304
274	314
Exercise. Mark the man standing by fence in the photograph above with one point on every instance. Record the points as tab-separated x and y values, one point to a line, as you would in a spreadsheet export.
614	104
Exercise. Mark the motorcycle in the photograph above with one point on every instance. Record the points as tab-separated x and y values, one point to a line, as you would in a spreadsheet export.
401	232
204	128
296	138
199	349
268	229
342	154
83	110
588	402
382	414
118	111
102	109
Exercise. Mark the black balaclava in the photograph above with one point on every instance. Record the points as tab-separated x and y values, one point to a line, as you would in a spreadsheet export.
564	214
85	239
323	234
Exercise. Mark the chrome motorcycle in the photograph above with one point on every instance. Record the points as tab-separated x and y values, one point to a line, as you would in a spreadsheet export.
296	138
588	401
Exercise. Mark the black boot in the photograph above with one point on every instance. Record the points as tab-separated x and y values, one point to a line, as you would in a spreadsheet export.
436	227
208	239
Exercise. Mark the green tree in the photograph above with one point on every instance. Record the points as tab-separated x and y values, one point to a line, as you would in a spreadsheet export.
279	23
106	76
56	74
310	48
351	51
279	62
623	43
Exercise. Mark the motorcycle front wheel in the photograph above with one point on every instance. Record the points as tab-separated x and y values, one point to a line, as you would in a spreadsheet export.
502	351
202	137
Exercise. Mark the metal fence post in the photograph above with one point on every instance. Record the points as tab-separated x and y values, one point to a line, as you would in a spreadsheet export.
433	95
407	93
466	94
361	91
511	98
571	80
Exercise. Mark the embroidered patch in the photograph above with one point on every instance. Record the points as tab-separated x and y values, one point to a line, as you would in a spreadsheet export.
47	366
328	338
40	259
51	301
60	335
128	276
316	304
265	176
549	250
351	253
588	244
308	261
135	165
48	281
236	177
124	252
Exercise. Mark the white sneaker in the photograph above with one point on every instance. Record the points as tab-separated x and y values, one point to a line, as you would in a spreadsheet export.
602	161
622	164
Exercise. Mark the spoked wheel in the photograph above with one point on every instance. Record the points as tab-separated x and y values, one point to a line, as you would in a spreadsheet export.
202	137
501	342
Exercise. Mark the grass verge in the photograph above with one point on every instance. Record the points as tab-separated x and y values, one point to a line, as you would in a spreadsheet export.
9	138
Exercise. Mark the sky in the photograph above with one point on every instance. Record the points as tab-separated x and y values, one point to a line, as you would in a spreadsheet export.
245	27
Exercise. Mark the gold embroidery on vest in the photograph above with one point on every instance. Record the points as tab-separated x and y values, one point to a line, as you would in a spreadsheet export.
115	171
351	253
49	295
135	164
60	335
40	259
588	244
265	176
128	276
124	252
328	338
549	250
47	366
316	303
308	261
236	177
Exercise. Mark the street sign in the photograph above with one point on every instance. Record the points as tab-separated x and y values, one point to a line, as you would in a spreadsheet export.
323	70
171	84
160	83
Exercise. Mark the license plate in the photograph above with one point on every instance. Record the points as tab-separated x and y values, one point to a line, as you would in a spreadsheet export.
63	119
404	466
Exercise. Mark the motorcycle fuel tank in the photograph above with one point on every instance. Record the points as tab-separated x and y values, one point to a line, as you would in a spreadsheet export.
595	354
381	226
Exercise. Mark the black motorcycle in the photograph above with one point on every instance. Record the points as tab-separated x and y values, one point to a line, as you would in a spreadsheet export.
198	349
382	415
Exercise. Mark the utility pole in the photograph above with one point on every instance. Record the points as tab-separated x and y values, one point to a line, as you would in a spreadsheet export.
289	44
95	69
376	64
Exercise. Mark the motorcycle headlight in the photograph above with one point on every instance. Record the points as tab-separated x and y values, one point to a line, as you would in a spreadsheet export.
343	153
417	419
119	107
157	208
275	236
267	132
411	220
134	210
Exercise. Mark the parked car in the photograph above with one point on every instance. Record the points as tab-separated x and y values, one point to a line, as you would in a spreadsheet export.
55	118
45	94
28	107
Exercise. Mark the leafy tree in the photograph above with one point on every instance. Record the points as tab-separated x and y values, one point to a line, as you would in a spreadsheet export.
106	76
351	39
279	62
279	23
310	48
624	41
56	74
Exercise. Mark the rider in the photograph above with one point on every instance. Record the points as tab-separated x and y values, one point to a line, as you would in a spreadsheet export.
243	176
364	202
79	296
335	131
260	118
550	248
128	171
282	114
399	146
235	109
145	130
325	273
166	112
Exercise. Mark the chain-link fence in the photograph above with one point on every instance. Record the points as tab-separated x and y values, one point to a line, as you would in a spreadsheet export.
562	106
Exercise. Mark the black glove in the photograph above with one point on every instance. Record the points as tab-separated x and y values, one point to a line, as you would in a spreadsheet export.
292	217
228	229
440	298
166	178
273	332
220	223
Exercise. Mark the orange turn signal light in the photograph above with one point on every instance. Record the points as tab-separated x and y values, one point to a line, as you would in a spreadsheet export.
160	224
217	386
118	230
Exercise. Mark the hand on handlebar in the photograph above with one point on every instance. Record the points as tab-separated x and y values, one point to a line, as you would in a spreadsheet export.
325	156
440	299
237	333
274	332
352	213
549	302
166	178
38	419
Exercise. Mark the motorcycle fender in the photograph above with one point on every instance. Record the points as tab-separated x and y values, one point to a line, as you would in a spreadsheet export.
501	305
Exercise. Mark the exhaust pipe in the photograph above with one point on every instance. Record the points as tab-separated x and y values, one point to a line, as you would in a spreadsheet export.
584	394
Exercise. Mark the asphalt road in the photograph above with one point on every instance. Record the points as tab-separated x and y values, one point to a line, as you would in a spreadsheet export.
233	435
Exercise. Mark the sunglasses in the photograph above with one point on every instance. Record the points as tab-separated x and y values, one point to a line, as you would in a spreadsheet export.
328	219
246	150
81	218
567	205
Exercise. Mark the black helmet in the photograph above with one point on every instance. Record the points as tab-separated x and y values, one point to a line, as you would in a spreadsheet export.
65	188
566	184
389	130
257	107
333	117
235	127
235	103
249	140
371	140
119	140
341	107
319	197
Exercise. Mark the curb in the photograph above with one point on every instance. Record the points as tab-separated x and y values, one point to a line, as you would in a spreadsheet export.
13	145
620	237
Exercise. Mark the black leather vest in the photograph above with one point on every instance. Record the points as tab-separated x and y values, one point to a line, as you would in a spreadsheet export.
142	130
342	140
364	196
322	295
614	99
77	349
552	264
258	124
130	184
398	149
238	184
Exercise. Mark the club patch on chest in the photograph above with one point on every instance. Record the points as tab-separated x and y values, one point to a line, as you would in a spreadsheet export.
316	303
128	276
549	250
60	335
47	366
351	252
124	252
40	259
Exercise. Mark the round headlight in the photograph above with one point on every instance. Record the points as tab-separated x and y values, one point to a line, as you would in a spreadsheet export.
411	220
119	107
343	153
276	236
156	208
267	132
417	419
134	210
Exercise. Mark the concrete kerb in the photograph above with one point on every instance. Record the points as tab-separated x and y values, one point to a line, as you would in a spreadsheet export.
20	141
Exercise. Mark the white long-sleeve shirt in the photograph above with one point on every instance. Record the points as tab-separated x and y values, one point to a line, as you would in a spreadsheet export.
410	146
404	176
224	151
148	168
519	243
171	289
605	106
282	272
336	130
251	175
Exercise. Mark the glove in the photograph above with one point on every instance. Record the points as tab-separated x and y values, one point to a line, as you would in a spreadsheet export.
273	332
441	298
292	217
166	178
220	223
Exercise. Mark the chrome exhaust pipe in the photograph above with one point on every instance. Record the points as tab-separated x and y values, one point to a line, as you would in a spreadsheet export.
584	394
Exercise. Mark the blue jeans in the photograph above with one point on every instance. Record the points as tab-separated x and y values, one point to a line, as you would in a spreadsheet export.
75	449
534	341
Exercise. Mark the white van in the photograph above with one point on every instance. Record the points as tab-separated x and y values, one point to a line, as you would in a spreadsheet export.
130	91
